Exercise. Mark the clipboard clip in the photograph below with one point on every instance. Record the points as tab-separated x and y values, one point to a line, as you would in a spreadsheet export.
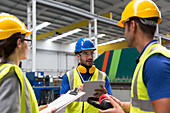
74	92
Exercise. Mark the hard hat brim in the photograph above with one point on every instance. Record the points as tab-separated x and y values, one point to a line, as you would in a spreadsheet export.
120	24
28	33
6	34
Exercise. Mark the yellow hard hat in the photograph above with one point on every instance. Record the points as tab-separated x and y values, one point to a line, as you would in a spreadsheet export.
140	8
10	25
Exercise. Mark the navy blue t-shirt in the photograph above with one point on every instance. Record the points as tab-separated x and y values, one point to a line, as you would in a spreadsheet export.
156	76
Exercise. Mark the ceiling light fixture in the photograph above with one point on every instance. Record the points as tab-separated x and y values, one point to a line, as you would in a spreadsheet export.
64	35
113	41
98	36
40	26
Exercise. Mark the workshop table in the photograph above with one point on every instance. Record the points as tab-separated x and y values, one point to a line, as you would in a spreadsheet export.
49	90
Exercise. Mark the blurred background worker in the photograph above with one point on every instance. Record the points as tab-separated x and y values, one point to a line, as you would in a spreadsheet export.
150	90
85	71
16	93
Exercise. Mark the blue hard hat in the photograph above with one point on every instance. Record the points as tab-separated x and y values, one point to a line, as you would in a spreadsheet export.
84	44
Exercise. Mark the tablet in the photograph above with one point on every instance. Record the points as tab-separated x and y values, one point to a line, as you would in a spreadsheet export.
89	87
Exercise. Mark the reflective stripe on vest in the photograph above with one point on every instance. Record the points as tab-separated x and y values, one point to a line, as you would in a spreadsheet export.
4	69
144	105
71	78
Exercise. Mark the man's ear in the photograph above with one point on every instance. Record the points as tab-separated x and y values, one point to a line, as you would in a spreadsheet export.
78	56
133	25
19	43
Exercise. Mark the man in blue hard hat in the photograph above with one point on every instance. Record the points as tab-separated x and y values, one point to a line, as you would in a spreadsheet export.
85	71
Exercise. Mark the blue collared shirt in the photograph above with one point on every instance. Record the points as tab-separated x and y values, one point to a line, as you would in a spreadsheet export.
156	75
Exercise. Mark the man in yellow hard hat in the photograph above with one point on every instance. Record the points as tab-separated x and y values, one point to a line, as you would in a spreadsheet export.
150	90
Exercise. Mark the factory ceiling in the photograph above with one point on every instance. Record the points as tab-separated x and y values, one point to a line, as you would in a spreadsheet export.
63	20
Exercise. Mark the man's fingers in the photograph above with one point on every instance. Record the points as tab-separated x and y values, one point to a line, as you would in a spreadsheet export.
114	104
106	111
102	90
97	95
116	107
81	88
98	90
115	99
42	107
53	110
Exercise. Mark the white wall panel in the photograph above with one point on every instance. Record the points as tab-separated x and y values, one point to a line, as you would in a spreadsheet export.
46	61
63	62
52	58
72	61
55	46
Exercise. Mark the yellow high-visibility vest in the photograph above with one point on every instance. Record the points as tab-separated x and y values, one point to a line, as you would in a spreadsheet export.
75	81
140	102
4	69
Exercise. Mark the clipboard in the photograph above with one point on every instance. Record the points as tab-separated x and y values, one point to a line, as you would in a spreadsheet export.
63	101
89	87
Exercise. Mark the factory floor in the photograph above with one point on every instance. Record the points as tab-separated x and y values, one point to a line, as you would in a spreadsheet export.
122	95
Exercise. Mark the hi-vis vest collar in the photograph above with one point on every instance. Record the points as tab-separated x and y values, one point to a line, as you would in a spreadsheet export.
140	101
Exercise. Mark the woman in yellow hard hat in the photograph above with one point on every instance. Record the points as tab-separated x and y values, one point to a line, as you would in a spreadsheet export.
150	89
16	93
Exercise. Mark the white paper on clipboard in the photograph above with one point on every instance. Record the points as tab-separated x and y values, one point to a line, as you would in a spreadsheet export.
89	87
62	101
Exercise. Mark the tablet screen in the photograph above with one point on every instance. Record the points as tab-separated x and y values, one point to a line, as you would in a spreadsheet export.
89	87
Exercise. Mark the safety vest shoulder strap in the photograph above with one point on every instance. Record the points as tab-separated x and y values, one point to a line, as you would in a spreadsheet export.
70	76
101	75
159	49
4	69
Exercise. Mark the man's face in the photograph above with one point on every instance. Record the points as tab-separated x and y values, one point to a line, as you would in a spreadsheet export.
129	37
86	57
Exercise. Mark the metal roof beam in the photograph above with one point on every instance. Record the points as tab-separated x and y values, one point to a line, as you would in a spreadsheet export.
113	6
78	11
85	13
68	27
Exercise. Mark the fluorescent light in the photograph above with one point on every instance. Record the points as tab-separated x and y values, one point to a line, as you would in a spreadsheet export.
113	41
65	34
40	26
98	36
